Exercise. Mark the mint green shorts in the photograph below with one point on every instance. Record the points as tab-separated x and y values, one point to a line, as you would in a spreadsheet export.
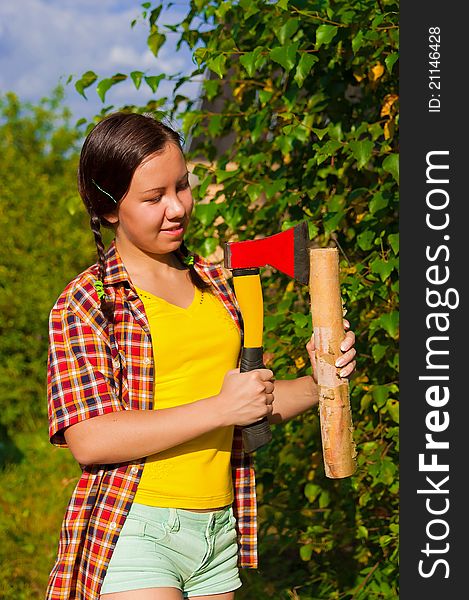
171	547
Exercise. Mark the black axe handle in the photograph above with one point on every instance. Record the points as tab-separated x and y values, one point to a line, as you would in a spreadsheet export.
259	433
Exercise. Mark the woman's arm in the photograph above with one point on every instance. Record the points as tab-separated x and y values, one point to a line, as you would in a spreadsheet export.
131	434
126	435
295	396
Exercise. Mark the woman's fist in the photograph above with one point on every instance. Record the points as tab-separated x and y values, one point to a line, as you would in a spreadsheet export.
245	398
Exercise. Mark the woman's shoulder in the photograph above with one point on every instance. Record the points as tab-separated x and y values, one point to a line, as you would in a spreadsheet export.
80	293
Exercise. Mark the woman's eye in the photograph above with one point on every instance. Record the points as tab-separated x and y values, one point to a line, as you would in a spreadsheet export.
183	186
154	200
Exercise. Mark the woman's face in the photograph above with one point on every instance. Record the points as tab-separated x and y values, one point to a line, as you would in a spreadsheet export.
154	214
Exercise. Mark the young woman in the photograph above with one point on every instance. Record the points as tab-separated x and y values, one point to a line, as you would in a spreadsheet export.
165	507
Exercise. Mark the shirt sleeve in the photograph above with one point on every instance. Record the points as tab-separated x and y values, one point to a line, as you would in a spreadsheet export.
80	379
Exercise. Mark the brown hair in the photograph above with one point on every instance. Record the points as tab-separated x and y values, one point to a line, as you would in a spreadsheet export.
111	153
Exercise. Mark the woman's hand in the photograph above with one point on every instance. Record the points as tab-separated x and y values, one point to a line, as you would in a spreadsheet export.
346	362
246	398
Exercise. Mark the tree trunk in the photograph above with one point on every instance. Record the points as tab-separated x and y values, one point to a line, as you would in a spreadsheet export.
334	400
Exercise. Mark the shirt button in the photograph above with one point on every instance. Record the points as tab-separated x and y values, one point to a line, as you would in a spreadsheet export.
112	525
134	470
146	360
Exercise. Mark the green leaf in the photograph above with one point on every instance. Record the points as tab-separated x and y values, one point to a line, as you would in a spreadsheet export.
85	81
335	131
155	13
254	190
378	351
326	150
324	499
304	67
104	85
391	165
320	132
383	268
153	81
209	246
233	216
155	40
325	34
357	42
249	8
362	532
250	60
365	239
393	239
285	55
312	491
390	61
331	221
378	202
215	125
390	323
265	96
206	213
222	175
283	4
189	119
362	151
287	30
306	551
393	409
273	187
201	55
380	394
217	64
301	320
136	77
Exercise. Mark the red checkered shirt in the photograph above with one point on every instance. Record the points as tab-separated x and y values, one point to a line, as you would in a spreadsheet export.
96	368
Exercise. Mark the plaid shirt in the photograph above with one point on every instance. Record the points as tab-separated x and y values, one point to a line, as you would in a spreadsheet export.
95	368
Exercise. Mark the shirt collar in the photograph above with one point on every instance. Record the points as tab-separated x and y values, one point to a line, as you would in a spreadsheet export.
115	270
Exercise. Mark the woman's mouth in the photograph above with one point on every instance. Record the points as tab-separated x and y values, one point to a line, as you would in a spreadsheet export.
175	232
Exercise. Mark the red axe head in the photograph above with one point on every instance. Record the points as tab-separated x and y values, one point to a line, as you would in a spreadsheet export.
286	251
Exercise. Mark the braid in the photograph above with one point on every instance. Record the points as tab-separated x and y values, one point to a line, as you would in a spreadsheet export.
106	306
196	279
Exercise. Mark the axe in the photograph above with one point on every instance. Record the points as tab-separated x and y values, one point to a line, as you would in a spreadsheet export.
290	253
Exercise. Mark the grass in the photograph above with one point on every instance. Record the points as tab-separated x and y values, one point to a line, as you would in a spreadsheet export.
35	488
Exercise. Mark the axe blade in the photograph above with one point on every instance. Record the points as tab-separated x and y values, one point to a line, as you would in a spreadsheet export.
286	251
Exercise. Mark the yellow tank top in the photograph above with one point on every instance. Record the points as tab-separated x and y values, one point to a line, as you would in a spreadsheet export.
193	349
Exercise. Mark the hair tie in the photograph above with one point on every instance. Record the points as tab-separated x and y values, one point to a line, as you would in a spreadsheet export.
99	287
189	260
104	191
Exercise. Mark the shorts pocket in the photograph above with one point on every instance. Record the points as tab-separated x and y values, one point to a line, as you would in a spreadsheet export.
155	532
231	524
132	528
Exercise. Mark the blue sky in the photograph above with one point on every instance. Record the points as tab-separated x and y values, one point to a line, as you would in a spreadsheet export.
44	41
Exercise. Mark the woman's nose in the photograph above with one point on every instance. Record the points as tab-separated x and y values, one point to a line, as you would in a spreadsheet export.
174	207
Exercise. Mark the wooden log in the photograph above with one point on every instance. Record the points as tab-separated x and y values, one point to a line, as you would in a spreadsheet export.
339	452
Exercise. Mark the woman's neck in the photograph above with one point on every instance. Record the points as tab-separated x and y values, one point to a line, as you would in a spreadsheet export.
139	263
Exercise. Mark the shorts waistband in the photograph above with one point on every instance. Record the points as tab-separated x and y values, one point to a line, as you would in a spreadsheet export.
175	517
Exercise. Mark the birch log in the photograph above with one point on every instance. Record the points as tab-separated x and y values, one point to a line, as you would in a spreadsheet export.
334	399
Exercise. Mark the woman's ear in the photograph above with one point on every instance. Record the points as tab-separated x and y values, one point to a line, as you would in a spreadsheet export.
111	218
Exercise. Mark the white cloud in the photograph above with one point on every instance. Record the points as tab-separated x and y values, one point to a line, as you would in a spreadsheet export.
44	40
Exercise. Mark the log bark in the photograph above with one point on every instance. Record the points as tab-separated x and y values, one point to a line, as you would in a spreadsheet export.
339	452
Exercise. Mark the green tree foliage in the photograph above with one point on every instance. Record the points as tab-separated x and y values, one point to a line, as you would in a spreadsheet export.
306	94
44	244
